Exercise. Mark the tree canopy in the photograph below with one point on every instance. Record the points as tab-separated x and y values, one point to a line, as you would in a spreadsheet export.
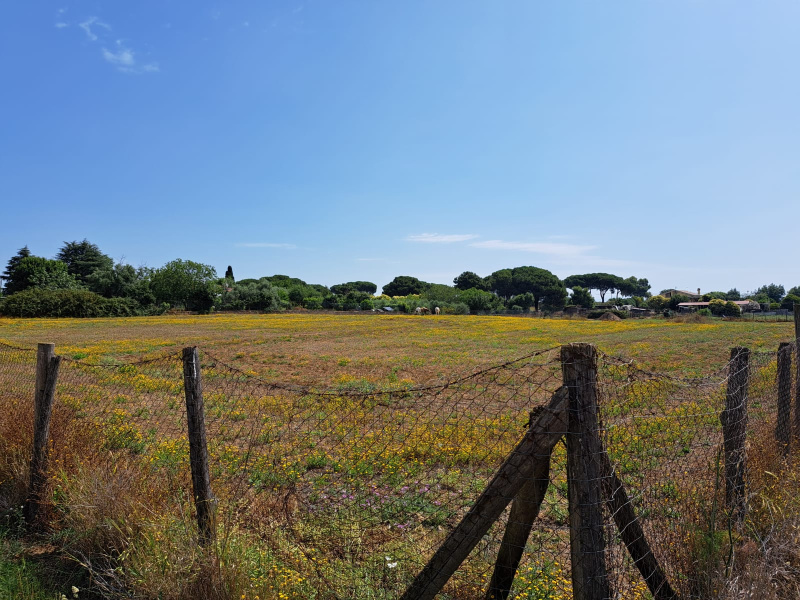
468	280
602	282
83	258
354	286
185	283
501	283
404	285
42	273
774	292
9	275
548	290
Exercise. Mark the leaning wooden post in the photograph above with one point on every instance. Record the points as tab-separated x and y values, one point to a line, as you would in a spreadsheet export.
47	365
783	425
734	431
524	510
509	479
632	534
198	452
584	474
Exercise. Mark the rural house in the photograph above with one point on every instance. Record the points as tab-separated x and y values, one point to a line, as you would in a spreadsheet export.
691	295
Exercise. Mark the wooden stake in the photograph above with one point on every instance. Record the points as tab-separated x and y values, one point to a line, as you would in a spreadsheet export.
198	452
734	431
584	474
47	366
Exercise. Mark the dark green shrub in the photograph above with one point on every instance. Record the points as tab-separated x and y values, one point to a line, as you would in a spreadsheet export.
704	312
716	306
70	303
313	303
789	301
732	310
455	308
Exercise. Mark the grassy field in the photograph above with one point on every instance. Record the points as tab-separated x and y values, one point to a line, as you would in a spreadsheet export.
334	495
317	348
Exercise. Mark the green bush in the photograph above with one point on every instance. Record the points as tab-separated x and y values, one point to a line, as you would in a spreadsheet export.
313	303
704	312
716	306
732	310
789	301
69	303
455	308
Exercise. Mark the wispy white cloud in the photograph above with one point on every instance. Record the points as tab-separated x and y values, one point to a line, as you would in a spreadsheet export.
558	253
550	248
123	57
437	238
125	60
120	55
266	245
91	24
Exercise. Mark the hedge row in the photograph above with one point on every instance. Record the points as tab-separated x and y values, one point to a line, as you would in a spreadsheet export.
71	303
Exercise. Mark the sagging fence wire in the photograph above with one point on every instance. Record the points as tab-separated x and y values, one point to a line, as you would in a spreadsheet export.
350	491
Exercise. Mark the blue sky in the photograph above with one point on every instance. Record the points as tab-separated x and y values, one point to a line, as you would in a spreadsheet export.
342	140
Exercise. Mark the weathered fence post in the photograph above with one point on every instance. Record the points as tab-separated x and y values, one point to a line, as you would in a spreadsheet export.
584	474
47	364
198	452
783	425
734	430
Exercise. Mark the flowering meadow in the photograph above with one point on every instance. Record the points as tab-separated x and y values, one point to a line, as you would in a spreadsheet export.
344	448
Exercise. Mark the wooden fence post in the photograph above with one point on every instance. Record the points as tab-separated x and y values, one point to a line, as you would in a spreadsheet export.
734	431
584	474
783	425
47	365
198	452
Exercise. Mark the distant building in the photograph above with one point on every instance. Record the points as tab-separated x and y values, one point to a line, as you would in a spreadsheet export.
744	305
691	295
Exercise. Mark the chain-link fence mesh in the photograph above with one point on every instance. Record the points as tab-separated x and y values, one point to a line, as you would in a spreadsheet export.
348	492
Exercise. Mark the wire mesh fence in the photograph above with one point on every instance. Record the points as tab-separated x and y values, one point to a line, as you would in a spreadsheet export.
348	492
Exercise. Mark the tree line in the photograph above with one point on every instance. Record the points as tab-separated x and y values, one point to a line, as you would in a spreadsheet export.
82	281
